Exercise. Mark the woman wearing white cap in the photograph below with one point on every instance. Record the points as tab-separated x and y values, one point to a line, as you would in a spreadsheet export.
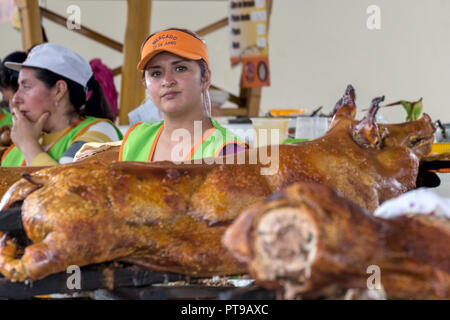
58	107
176	75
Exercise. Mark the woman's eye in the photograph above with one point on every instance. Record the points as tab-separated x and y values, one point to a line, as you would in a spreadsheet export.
181	68
155	74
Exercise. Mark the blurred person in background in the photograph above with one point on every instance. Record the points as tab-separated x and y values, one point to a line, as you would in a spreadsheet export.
9	85
58	107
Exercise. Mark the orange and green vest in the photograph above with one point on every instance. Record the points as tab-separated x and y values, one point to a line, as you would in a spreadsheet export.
140	142
5	118
13	157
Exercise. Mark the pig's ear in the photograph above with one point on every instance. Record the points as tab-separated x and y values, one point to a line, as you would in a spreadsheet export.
366	132
345	108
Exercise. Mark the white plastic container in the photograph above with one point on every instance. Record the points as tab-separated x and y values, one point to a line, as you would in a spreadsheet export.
269	131
311	127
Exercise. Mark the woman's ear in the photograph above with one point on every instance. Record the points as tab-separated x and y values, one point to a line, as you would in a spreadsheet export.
60	89
206	81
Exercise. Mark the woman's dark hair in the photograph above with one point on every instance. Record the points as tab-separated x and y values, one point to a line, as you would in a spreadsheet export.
9	77
201	62
96	106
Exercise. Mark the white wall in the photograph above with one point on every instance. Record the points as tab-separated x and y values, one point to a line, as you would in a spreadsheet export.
316	48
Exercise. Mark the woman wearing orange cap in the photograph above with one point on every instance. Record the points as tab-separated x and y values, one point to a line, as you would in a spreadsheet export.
176	75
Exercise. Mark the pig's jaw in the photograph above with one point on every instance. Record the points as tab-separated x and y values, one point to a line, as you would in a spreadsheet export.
422	142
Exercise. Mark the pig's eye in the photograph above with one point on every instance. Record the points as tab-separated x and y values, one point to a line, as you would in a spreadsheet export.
414	140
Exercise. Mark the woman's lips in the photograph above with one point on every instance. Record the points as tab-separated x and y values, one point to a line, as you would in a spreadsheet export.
170	95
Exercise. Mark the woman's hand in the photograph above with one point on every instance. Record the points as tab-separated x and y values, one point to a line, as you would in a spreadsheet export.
25	134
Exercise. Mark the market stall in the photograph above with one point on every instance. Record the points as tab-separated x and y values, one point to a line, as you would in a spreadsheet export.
186	219
299	215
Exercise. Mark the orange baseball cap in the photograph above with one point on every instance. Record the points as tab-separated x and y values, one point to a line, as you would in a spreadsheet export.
174	41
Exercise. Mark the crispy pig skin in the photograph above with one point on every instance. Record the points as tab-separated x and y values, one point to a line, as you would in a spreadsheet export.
10	175
412	252
148	212
171	217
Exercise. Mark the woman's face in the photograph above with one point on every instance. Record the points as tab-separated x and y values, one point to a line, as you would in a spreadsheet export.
175	84
32	98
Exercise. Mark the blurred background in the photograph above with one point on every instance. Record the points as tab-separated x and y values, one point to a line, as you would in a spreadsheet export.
316	48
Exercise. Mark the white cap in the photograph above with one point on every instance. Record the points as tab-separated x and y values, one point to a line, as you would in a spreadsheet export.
59	60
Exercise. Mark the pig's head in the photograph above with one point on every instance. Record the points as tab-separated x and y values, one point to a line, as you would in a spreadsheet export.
393	151
416	135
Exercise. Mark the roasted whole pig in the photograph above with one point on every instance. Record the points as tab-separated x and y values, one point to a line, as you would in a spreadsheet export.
308	238
170	217
77	215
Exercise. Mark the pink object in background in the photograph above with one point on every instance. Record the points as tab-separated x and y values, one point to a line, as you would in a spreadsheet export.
105	77
7	9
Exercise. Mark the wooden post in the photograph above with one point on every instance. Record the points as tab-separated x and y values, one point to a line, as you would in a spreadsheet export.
132	92
252	98
30	23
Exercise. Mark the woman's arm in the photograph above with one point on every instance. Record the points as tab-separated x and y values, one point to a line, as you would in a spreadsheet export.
100	132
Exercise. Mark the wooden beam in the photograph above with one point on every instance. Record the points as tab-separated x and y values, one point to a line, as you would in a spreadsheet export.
212	27
91	34
138	26
30	23
232	98
117	71
232	112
